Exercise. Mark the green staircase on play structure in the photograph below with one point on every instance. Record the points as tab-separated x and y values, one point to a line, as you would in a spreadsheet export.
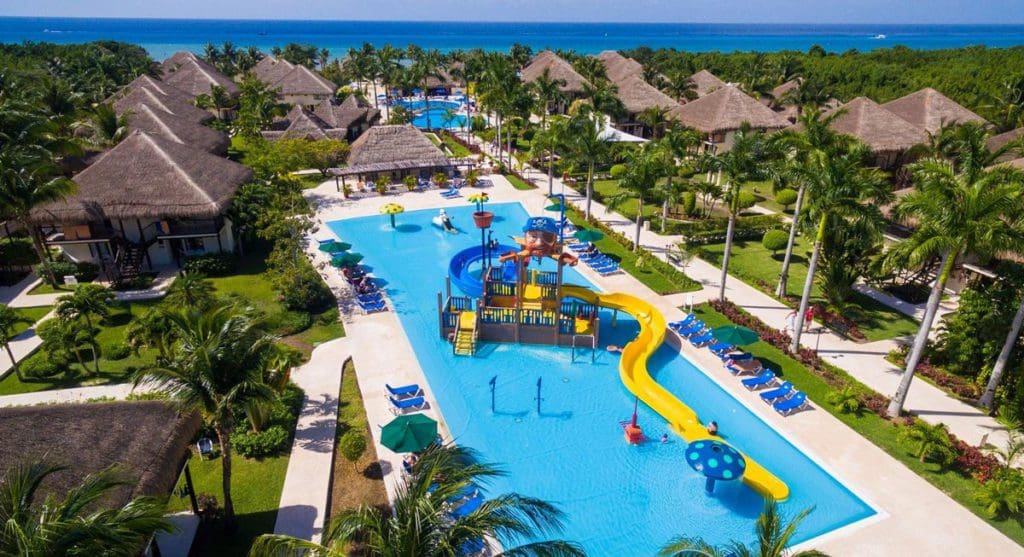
465	335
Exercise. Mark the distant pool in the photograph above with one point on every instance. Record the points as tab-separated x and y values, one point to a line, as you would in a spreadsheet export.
420	104
437	116
618	500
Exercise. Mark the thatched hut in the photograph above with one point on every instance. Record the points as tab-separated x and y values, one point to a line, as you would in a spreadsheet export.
997	142
719	114
159	96
558	69
302	86
637	96
618	67
148	202
165	124
888	136
778	93
271	69
705	83
300	123
194	76
350	115
445	81
929	109
389	153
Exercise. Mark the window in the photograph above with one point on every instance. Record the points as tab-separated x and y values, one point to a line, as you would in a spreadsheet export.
194	245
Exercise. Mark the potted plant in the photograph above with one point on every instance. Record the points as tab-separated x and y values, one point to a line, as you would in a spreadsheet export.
382	188
472	177
440	179
481	218
410	182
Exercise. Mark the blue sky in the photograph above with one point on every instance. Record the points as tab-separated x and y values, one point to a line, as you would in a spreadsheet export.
698	11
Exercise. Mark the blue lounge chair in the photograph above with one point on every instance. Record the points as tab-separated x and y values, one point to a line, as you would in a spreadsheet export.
765	379
737	370
404	390
734	356
779	393
795	403
589	258
578	246
720	347
703	339
676	325
399	406
373	307
370	298
466	491
608	270
450	193
694	329
470	505
602	262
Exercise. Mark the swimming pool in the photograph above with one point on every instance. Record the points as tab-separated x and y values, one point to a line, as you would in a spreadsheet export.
420	104
437	119
618	499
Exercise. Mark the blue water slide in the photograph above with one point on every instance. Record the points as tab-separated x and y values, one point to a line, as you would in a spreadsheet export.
458	268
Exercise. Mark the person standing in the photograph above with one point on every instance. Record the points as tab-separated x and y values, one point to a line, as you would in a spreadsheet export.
808	318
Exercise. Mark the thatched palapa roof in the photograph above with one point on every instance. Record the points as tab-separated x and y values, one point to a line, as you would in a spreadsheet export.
347	113
194	76
637	95
557	68
270	69
147	440
727	109
783	90
446	80
149	176
881	130
303	81
997	142
930	109
389	148
171	104
618	67
156	121
303	124
706	83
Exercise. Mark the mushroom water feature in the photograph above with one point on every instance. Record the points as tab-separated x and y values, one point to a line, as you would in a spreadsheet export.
392	209
716	460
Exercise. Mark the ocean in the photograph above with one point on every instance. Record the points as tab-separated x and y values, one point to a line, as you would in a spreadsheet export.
162	37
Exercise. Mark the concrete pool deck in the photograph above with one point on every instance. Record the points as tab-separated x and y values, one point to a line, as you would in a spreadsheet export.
914	518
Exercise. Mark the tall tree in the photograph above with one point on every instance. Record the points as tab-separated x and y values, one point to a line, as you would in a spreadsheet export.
547	143
107	126
974	210
673	146
546	90
840	188
9	319
643	168
587	147
217	369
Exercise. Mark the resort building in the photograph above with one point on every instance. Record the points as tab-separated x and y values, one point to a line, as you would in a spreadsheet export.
445	81
270	69
636	94
303	87
170	126
720	113
929	109
389	153
155	94
145	204
888	136
350	115
303	124
194	76
148	442
705	83
559	69
618	67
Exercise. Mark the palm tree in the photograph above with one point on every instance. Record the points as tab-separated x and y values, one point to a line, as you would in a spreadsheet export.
603	96
587	147
87	300
9	319
840	189
974	210
108	127
654	118
674	145
774	533
931	441
1009	104
151	330
75	524
217	99
680	87
497	80
814	141
988	397
546	90
547	142
419	522
216	368
810	94
742	163
387	65
190	290
427	65
643	168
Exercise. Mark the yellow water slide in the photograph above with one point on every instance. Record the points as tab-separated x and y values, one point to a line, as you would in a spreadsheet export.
633	371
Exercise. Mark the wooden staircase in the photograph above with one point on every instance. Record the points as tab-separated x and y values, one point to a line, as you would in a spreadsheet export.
465	335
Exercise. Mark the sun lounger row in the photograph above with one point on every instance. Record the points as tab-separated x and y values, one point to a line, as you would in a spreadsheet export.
783	397
599	262
405	397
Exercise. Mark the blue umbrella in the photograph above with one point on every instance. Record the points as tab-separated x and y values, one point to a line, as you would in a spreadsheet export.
716	460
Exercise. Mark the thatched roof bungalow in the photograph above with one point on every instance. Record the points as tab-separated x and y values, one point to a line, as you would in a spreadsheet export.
303	86
705	83
350	115
172	101
719	114
929	109
150	196
997	142
445	81
194	76
300	123
618	67
391	152
637	96
165	124
147	441
887	135
271	69
557	69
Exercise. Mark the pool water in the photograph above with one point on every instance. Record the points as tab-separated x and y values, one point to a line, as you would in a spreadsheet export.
435	115
419	104
618	499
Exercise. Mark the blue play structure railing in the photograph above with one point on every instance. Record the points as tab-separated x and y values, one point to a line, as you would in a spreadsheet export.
458	268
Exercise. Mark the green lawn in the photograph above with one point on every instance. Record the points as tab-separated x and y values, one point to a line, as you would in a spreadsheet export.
29	317
758	267
433	139
881	432
46	288
361	483
310	181
256	490
519	184
458	151
603	189
765	197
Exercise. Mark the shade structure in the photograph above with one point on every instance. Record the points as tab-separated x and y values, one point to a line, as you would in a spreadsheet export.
410	433
588	235
392	209
335	246
716	460
735	335
480	197
347	259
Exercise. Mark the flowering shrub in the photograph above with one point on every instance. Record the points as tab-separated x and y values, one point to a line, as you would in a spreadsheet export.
952	383
970	459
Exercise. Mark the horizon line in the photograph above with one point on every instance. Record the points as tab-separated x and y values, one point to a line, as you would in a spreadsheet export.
358	20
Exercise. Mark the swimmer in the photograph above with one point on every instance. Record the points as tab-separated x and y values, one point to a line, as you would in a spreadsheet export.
614	349
713	428
664	438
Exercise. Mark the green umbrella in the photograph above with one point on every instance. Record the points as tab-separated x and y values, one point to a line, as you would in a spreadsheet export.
347	259
410	433
557	208
734	335
588	235
334	246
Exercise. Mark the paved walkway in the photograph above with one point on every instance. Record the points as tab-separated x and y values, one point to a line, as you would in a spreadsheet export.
305	497
914	517
77	394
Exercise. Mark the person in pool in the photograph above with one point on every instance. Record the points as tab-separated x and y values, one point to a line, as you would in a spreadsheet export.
713	428
614	349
